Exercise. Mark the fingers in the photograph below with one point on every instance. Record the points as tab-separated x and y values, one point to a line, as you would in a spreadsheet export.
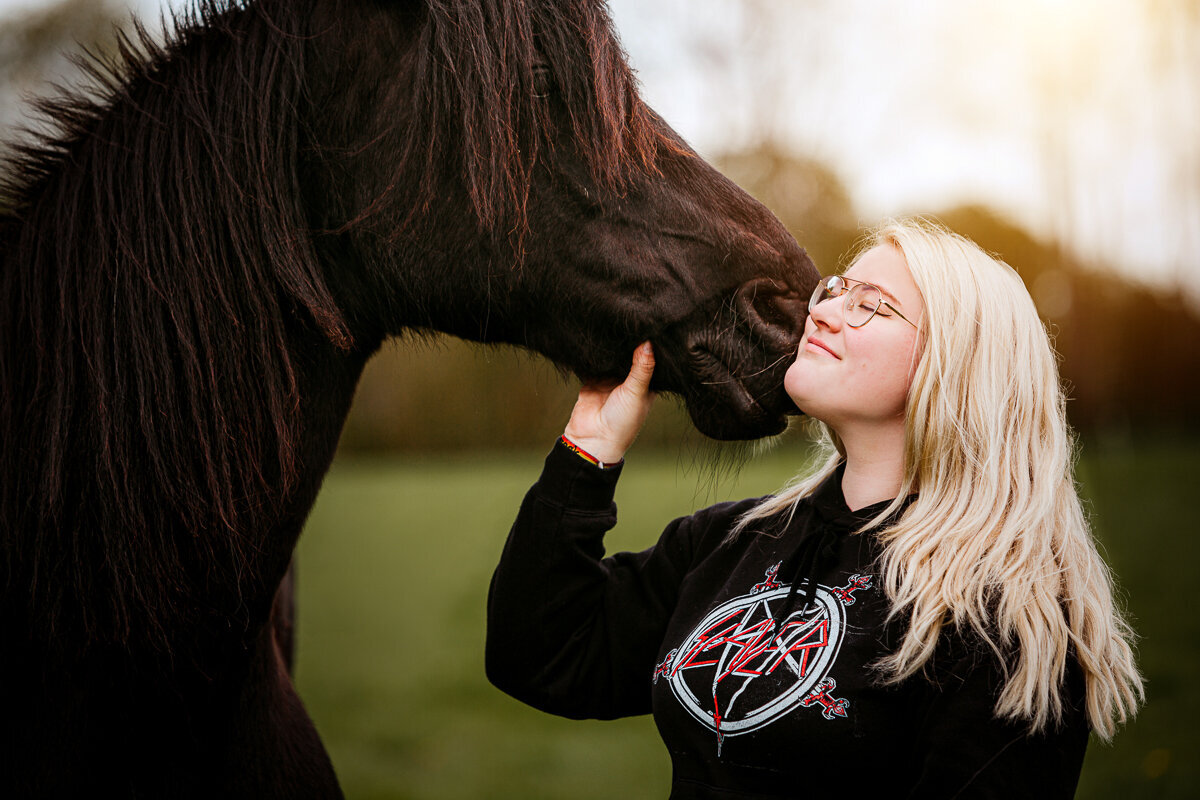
605	420
636	384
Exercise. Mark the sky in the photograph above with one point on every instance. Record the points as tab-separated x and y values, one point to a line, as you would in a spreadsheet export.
1076	118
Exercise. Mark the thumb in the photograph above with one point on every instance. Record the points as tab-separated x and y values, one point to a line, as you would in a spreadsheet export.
641	370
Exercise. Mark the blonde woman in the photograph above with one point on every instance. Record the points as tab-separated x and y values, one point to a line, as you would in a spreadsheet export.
925	616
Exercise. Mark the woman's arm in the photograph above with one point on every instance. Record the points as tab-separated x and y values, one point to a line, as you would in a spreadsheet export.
569	631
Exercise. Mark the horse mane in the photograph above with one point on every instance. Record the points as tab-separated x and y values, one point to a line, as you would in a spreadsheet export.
149	303
150	408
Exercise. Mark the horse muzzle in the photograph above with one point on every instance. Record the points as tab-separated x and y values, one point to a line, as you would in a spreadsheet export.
729	365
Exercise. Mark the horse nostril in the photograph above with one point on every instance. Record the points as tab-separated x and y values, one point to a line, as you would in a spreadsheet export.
772	309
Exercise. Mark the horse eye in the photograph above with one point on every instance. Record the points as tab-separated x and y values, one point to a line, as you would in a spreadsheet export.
543	81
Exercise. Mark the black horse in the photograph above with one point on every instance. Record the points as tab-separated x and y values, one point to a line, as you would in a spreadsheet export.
196	268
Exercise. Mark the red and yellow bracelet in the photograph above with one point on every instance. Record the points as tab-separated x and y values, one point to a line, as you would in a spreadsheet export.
585	455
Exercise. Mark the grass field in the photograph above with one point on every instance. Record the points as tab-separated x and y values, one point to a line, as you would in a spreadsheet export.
393	574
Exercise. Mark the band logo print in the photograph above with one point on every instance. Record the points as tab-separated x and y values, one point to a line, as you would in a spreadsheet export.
740	669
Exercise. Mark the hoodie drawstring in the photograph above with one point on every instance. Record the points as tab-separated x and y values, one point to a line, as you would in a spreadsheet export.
816	550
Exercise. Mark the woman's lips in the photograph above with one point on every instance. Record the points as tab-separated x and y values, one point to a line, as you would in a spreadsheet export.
817	344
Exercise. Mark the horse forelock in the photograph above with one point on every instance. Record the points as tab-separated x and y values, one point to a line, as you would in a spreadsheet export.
149	417
475	91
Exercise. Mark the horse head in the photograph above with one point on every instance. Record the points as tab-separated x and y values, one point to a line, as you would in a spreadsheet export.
502	181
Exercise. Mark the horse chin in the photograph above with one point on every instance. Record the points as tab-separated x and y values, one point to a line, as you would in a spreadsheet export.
737	423
730	409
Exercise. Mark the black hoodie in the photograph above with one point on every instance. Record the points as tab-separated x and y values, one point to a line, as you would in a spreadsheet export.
755	655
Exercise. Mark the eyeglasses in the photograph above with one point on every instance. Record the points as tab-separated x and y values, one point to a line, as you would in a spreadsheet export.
863	300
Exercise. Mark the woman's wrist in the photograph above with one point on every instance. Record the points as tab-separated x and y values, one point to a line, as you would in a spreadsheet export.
602	457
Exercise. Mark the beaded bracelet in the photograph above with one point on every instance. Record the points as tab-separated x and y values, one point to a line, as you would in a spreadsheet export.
585	455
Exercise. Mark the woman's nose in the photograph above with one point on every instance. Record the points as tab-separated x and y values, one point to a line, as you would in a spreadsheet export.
827	313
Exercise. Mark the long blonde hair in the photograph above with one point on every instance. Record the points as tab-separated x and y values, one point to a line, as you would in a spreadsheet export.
996	541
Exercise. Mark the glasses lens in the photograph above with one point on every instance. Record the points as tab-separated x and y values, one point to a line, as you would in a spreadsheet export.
827	289
861	304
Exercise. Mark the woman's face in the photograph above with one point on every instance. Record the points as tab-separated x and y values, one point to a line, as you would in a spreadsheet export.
848	376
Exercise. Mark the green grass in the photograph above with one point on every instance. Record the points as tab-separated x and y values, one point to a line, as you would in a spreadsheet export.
393	574
1143	501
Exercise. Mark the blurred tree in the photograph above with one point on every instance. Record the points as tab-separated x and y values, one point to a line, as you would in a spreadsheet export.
1130	353
445	394
809	198
36	48
1175	31
28	39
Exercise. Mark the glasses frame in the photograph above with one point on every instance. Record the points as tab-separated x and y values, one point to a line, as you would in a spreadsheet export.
824	285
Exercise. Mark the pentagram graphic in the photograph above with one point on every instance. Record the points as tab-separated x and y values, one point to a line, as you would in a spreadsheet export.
740	668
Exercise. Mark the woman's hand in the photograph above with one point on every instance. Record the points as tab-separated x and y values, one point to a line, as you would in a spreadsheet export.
606	419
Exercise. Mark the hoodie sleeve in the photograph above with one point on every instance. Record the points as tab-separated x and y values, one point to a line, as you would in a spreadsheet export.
968	753
569	631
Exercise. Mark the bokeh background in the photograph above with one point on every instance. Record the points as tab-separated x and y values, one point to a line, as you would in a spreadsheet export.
1063	135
